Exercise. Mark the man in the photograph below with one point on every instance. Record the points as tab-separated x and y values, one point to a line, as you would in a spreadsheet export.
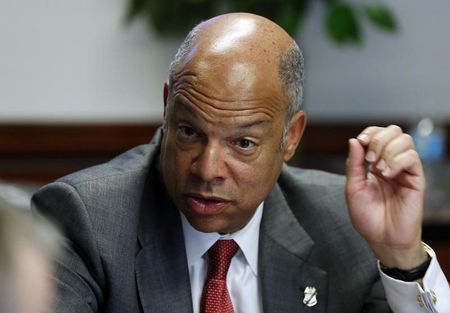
26	250
146	227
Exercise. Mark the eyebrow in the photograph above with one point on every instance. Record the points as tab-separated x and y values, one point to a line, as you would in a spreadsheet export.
251	124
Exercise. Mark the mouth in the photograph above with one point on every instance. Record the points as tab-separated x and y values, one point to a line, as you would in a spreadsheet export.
204	205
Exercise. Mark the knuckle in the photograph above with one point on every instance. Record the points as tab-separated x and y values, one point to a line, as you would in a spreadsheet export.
395	128
407	138
393	163
371	130
389	150
376	143
368	129
413	154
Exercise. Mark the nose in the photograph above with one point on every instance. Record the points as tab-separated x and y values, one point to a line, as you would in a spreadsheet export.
209	164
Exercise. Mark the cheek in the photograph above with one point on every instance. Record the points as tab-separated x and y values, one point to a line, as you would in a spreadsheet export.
176	165
257	177
181	166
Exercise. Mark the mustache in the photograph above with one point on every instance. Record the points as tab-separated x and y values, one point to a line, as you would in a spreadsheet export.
209	190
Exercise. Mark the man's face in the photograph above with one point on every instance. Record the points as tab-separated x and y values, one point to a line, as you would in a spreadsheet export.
221	152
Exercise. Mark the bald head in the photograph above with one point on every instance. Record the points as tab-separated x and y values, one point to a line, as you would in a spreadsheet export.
235	41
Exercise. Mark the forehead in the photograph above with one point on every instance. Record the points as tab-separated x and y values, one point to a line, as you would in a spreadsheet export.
222	120
230	81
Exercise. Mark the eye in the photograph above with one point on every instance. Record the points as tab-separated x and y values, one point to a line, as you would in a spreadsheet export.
245	144
187	131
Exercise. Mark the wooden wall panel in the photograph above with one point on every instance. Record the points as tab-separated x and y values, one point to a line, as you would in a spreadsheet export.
71	140
442	249
41	153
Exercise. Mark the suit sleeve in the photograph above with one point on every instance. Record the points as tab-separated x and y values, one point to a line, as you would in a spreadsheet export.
79	274
376	301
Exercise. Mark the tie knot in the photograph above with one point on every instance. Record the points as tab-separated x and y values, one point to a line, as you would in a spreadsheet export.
220	255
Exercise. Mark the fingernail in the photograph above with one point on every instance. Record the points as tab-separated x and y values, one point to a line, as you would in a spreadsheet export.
381	165
363	137
386	171
371	157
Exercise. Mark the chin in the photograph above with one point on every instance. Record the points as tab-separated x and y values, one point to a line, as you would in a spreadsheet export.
209	225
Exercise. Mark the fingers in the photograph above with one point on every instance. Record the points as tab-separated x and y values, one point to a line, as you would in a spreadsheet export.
377	138
390	151
403	161
356	172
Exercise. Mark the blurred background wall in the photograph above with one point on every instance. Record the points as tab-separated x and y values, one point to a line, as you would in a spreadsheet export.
77	61
399	76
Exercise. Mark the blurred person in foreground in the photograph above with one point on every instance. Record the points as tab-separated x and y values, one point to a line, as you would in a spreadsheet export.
27	249
207	217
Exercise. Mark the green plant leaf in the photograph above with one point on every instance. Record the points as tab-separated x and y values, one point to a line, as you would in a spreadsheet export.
266	8
341	24
176	17
135	7
381	17
170	17
291	15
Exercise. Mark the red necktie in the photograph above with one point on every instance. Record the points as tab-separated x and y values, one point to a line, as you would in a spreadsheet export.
215	297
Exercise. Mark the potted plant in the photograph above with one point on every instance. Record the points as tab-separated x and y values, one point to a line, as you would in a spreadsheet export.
342	19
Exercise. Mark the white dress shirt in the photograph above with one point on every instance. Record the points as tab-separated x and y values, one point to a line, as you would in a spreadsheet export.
242	279
244	286
412	297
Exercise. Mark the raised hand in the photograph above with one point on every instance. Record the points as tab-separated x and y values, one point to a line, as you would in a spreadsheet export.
385	200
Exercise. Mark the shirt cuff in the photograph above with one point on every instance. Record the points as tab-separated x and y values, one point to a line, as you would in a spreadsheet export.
433	295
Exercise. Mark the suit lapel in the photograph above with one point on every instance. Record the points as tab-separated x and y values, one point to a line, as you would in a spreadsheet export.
286	267
162	277
161	266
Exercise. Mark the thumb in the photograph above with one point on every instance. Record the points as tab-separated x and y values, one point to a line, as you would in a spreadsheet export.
356	172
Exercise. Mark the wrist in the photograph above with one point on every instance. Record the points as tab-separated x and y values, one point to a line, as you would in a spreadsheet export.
403	259
415	273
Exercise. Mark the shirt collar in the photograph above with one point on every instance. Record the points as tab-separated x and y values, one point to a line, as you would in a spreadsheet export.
197	243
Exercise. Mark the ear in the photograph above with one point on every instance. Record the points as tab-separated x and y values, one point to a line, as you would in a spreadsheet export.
165	95
294	134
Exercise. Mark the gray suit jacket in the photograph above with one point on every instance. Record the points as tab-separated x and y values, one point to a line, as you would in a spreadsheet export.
125	248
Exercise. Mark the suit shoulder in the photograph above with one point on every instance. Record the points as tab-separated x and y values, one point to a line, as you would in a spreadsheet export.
135	160
315	196
310	178
317	200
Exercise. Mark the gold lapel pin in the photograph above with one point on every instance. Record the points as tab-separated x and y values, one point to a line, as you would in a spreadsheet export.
310	298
